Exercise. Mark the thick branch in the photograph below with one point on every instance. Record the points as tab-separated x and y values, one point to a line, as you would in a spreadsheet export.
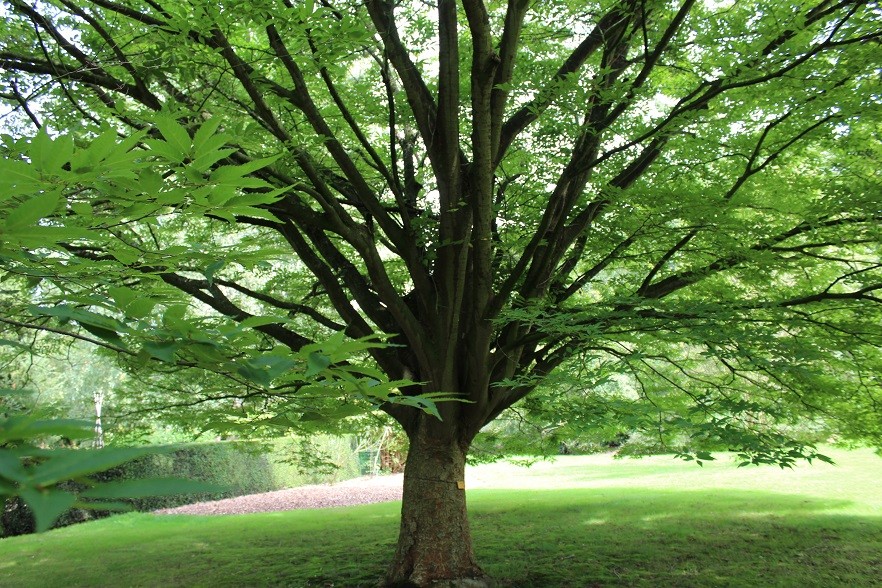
532	110
508	48
418	96
282	304
60	71
678	281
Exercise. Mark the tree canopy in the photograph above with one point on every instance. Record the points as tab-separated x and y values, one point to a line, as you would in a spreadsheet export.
683	197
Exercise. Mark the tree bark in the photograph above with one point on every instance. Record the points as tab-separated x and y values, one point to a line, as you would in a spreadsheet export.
434	543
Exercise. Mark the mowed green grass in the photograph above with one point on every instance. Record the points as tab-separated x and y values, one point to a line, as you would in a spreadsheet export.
579	521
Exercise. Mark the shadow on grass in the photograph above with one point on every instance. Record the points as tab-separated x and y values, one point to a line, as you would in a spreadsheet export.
536	539
644	537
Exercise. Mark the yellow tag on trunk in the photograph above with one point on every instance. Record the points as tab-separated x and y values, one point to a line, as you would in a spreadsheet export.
460	484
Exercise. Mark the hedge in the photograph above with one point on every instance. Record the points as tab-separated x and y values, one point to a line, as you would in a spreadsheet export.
239	468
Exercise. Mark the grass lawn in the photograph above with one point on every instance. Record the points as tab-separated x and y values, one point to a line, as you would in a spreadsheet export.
579	522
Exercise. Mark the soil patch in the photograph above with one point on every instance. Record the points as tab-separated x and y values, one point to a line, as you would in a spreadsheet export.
363	490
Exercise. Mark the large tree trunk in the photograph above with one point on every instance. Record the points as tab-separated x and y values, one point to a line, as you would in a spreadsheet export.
434	544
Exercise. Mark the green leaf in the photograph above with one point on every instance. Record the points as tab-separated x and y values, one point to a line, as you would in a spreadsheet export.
126	256
67	464
209	354
40	236
140	308
26	427
257	198
206	160
174	315
162	350
131	302
47	505
16	344
335	413
418	402
363	370
252	166
212	269
108	335
48	155
150	183
81	209
316	363
122	296
165	150
254	374
99	148
274	365
247	211
103	327
11	467
16	177
204	134
32	210
176	135
235	174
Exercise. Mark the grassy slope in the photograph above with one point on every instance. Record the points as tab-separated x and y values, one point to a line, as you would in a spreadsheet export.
581	521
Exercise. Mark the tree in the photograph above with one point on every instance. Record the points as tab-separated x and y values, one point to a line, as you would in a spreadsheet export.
681	193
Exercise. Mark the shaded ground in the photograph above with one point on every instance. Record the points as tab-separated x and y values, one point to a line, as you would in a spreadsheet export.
583	521
364	490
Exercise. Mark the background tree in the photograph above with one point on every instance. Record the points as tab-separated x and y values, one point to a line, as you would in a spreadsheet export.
681	193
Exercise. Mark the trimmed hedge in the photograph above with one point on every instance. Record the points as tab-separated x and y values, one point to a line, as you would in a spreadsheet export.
239	468
242	468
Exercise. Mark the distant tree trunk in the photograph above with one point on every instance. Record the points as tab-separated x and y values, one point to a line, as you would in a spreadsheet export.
434	543
98	398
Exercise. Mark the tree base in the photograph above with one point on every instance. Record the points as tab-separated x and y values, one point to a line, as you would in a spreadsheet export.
434	542
480	582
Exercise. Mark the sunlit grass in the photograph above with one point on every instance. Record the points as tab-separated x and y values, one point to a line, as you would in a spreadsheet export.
579	521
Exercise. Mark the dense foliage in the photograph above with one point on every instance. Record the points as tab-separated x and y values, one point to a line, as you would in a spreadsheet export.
674	204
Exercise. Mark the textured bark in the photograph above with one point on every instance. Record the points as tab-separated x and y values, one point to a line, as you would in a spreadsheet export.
435	544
